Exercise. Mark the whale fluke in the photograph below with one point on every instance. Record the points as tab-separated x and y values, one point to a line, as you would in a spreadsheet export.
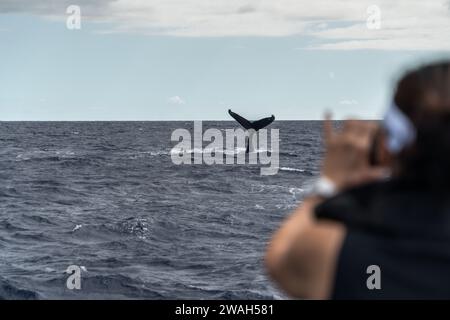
256	125
251	126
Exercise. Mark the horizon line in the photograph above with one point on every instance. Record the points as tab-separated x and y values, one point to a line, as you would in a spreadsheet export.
185	120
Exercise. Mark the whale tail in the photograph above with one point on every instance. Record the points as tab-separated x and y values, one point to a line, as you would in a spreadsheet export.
255	125
251	126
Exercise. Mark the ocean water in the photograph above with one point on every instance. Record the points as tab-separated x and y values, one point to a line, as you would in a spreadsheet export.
106	196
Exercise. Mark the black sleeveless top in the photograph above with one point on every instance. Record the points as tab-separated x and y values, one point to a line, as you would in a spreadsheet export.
402	229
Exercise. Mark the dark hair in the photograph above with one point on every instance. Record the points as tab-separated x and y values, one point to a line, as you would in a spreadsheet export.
424	96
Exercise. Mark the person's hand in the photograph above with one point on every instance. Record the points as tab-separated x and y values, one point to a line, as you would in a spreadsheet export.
346	161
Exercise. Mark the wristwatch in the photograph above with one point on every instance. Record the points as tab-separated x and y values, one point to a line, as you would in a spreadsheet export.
322	187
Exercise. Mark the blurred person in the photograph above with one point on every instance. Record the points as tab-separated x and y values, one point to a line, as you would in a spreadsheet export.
382	201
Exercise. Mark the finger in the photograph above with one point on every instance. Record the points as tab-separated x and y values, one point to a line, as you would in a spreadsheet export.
328	127
351	128
367	131
372	124
349	124
364	127
363	130
357	144
361	141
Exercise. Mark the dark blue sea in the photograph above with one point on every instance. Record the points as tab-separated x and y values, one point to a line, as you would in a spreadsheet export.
107	197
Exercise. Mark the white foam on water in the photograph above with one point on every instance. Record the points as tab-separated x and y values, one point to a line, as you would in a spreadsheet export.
291	169
294	191
158	153
77	227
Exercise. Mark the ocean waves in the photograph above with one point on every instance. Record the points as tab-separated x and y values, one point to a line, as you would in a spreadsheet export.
107	196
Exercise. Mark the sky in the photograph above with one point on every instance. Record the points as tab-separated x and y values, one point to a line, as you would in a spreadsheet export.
194	59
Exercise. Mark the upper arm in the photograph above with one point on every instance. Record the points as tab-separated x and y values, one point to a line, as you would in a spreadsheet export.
304	265
312	261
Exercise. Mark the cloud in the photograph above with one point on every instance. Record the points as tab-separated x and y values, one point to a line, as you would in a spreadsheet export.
337	25
176	100
348	102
